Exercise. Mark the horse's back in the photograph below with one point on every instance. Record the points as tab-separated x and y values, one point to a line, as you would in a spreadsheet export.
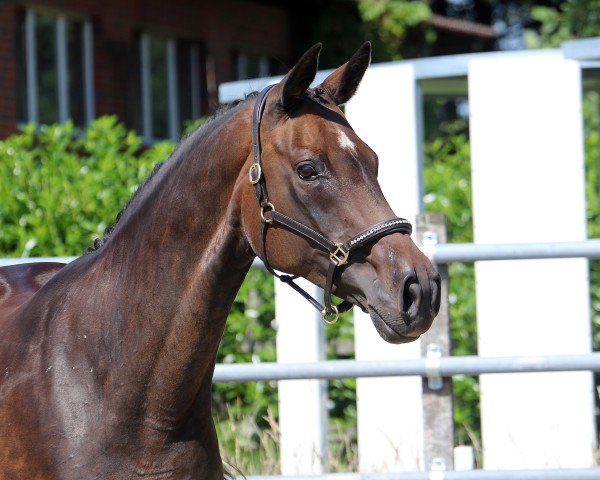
18	283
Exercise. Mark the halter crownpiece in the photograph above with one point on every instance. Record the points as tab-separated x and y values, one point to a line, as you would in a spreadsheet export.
339	253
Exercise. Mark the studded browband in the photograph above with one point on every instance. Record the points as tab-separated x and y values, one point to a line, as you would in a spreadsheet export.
339	253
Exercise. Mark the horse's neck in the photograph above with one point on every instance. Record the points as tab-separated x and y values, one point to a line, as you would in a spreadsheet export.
173	267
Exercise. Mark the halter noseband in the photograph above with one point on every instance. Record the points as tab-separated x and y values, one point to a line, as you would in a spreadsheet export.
339	253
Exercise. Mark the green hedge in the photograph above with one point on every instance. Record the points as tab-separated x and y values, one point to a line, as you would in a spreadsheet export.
67	186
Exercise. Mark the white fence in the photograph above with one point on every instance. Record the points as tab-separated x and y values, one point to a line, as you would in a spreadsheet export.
528	186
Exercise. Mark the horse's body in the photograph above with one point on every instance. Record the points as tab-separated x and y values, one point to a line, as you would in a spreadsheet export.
106	363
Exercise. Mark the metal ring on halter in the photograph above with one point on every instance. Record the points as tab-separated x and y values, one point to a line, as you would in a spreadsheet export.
268	208
340	255
335	313
255	173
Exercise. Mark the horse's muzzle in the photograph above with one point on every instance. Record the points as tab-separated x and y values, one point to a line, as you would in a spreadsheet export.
417	306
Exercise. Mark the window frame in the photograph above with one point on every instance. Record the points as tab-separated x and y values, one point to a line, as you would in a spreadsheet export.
173	117
62	65
242	62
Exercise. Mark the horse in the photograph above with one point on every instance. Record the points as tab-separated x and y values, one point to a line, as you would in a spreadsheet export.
106	363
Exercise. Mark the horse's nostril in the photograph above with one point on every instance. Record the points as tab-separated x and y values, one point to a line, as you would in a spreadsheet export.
436	296
411	295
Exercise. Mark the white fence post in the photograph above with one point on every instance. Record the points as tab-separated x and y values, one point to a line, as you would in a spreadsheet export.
528	186
386	114
302	408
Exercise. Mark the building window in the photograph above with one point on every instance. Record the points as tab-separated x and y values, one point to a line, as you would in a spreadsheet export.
55	69
254	65
171	86
248	65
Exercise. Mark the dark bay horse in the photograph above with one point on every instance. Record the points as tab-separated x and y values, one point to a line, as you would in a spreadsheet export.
106	363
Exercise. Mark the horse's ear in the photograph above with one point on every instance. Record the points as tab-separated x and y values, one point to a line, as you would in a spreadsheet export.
343	82
299	78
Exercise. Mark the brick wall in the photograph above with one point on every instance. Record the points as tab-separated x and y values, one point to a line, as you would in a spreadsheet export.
223	26
8	70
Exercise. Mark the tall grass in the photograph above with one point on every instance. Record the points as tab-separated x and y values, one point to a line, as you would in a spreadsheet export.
249	443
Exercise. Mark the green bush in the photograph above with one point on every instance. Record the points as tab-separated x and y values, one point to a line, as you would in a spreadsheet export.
591	112
67	186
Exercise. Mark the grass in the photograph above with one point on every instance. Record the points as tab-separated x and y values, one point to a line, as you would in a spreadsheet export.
250	444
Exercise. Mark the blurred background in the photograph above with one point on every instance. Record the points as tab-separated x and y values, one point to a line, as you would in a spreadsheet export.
93	94
82	59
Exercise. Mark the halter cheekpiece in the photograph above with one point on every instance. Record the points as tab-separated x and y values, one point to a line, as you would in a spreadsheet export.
339	253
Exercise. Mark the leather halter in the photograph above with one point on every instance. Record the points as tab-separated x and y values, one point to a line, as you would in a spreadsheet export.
339	253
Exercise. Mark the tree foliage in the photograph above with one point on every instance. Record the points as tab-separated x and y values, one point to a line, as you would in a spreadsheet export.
396	28
559	21
391	20
592	151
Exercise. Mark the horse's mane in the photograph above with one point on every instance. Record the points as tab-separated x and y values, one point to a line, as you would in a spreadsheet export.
206	126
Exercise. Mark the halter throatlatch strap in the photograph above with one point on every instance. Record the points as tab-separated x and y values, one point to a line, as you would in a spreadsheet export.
339	253
255	174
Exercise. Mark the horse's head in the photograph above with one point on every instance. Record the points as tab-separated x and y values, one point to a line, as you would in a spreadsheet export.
320	174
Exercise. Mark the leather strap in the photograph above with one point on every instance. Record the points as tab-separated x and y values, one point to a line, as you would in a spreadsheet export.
338	253
379	230
303	231
289	279
259	184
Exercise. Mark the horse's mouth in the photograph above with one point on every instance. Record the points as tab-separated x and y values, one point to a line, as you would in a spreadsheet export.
388	332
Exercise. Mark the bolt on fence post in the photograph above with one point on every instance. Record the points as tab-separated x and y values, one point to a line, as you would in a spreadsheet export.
438	406
432	367
437	469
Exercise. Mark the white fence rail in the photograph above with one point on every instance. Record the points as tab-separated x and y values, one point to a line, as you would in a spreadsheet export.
533	474
447	252
424	367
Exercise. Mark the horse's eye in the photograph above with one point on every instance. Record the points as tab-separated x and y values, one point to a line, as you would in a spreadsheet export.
307	171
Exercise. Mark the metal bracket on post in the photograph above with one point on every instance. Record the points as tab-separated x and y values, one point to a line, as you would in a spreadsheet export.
432	366
428	244
437	469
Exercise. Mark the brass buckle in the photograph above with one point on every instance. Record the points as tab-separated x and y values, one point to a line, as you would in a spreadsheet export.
254	173
263	210
339	255
335	315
